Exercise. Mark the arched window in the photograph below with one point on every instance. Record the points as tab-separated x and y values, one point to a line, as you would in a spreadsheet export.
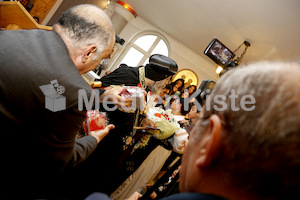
141	47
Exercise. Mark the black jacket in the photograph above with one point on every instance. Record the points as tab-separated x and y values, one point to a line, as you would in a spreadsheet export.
192	196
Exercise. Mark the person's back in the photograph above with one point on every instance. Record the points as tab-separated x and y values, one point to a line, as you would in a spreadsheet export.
23	114
38	132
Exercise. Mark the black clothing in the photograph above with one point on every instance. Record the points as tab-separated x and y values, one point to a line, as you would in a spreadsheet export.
122	75
106	158
154	74
160	67
116	147
192	196
112	158
180	196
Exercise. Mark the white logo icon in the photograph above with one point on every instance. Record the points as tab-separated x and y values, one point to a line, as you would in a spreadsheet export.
54	100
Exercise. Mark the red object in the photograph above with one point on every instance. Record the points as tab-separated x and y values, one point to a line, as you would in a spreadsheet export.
158	115
125	93
95	120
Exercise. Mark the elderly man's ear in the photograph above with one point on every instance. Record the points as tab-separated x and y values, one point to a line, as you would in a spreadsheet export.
88	53
210	142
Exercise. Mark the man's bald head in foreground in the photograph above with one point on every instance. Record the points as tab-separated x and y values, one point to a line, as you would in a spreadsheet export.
243	154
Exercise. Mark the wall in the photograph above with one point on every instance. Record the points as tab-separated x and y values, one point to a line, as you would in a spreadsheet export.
184	57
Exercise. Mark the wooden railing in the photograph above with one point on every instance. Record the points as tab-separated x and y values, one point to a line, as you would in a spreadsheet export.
14	16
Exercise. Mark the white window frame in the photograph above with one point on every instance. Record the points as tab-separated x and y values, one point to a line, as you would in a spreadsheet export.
147	54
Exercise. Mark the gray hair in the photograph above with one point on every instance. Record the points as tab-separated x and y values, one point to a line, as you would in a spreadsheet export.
87	24
260	149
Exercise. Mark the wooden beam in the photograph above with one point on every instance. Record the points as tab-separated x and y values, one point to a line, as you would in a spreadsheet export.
13	12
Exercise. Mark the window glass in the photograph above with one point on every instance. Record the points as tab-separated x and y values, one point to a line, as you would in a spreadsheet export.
145	42
132	58
138	51
161	48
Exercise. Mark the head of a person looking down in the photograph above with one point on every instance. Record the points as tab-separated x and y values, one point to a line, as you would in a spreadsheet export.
246	143
88	34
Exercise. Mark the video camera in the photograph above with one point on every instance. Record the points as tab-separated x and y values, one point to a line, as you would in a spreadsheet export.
206	87
119	40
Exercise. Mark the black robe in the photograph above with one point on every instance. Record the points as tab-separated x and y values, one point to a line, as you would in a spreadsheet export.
104	163
111	163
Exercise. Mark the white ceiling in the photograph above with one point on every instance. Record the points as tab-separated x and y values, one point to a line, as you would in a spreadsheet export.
271	26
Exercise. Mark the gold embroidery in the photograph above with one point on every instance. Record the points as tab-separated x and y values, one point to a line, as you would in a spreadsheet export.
142	76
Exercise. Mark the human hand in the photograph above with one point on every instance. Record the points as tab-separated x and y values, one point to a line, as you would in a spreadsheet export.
135	196
113	95
184	121
100	134
148	123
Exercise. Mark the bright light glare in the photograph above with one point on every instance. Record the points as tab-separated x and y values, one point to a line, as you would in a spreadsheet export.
145	42
219	69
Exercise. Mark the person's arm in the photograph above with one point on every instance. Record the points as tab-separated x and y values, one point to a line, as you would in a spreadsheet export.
84	146
100	134
179	140
73	151
135	196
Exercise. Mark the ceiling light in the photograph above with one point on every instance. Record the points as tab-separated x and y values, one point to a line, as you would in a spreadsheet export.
219	69
127	7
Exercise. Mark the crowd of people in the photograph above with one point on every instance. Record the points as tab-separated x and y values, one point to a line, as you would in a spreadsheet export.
226	153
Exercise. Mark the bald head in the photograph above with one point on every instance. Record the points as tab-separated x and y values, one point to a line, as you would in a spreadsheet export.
85	25
260	148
